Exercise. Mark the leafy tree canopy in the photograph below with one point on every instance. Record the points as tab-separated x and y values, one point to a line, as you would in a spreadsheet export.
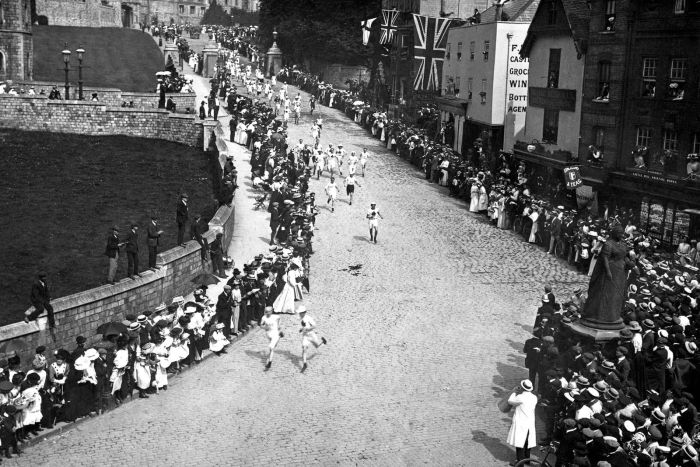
327	30
215	15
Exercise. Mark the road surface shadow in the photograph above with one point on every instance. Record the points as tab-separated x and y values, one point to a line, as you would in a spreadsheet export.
294	357
361	238
259	354
495	446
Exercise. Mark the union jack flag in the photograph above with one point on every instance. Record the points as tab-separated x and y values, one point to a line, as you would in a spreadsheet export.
429	51
388	26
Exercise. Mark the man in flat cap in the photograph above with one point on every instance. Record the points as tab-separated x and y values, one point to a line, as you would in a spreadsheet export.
181	216
40	298
153	240
132	252
112	252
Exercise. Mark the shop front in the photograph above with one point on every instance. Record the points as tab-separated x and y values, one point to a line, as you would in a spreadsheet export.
665	208
453	112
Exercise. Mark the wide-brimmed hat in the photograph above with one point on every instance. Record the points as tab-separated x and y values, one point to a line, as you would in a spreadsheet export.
81	363
91	354
634	326
526	384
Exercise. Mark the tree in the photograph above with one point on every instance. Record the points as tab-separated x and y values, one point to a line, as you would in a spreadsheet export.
244	18
325	30
215	14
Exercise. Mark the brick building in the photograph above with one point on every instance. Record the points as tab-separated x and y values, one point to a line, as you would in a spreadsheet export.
660	114
16	45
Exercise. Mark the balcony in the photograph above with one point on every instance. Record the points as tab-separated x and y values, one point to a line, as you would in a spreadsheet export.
538	152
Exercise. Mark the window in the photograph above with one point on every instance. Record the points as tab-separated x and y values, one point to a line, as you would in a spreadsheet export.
202	10
483	91
2	62
181	8
487	46
448	50
679	7
643	136
550	126
459	51
405	43
696	143
470	83
603	81
472	49
679	72
610	13
670	140
552	12
649	77
553	69
458	83
599	137
192	7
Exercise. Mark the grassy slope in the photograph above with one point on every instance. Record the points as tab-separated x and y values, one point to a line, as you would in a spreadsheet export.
61	193
114	57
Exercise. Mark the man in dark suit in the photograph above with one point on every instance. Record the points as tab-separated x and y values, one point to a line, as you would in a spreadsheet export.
41	299
197	229
112	252
224	309
216	251
132	251
182	215
153	240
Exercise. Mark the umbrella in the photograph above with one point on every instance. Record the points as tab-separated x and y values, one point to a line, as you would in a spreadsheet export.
15	346
112	328
206	278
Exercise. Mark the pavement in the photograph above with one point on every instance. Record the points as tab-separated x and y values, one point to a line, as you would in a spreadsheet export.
425	334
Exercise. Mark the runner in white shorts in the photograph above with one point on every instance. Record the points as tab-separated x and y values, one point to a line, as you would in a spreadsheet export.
332	192
373	216
271	324
308	334
363	160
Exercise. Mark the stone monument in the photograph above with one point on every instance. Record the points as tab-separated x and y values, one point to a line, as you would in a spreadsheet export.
274	58
170	49
601	315
211	55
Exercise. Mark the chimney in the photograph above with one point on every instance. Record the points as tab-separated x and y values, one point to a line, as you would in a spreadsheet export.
499	11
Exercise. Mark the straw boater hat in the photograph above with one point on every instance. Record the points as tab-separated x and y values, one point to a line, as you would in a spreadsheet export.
526	384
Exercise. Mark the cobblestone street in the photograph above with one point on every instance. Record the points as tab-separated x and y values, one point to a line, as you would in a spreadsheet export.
425	334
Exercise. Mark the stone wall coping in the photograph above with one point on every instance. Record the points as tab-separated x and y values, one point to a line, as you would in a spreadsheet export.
152	94
22	96
79	103
62	84
182	116
136	110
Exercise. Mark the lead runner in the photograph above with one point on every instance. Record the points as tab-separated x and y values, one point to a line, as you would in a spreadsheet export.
308	335
271	325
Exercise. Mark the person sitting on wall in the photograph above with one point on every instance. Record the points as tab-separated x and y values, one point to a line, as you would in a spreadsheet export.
55	93
170	105
94	97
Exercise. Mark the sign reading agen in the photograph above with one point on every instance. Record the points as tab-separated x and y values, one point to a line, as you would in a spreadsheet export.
573	177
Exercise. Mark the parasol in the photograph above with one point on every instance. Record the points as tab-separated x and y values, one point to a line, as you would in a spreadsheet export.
206	278
112	328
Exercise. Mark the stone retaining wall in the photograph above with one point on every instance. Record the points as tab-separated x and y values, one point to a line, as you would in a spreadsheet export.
82	313
38	113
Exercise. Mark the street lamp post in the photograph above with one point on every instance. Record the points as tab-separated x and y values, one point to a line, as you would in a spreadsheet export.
66	61
80	53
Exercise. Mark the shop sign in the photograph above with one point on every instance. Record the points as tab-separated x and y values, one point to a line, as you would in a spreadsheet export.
655	177
573	177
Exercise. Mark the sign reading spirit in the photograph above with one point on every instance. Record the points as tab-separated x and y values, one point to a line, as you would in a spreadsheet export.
573	177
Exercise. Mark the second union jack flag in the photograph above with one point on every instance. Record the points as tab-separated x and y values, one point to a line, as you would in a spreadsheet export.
429	51
388	26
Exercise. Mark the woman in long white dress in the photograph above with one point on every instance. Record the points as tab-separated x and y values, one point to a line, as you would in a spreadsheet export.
474	193
290	293
483	198
444	170
533	231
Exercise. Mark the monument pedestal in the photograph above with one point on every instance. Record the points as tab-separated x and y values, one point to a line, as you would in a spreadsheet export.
274	58
598	335
211	55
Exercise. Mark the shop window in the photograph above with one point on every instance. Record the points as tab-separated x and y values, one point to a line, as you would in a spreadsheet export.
552	12
470	83
679	7
610	14
192	7
448	51
603	81
553	68
670	140
459	51
550	127
487	47
679	72
643	136
472	50
649	77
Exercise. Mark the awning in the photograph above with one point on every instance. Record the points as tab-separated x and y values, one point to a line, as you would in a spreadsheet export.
453	105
